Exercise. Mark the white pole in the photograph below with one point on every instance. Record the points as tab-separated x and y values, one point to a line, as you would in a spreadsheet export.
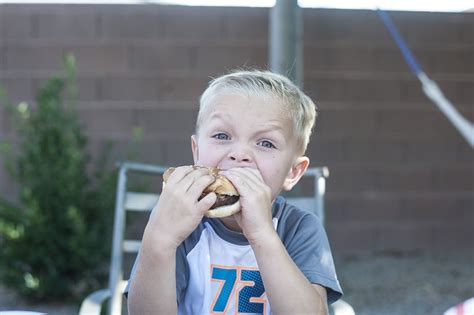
431	89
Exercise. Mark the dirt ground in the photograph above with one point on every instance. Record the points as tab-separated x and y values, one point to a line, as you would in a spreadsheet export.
416	283
382	283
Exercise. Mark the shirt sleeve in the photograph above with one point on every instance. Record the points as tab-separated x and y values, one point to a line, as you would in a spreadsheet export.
132	273
306	242
182	274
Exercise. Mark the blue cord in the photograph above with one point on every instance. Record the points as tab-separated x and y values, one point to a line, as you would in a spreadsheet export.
410	59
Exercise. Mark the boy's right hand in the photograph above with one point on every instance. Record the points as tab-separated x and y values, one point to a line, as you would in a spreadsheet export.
178	211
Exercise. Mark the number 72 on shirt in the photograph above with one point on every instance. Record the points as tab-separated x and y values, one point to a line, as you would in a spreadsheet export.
239	284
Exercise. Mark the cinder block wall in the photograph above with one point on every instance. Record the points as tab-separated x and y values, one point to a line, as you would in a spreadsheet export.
401	176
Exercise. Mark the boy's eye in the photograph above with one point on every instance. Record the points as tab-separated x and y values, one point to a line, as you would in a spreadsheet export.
221	136
266	144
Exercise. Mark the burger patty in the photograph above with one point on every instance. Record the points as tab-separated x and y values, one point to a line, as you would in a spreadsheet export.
222	200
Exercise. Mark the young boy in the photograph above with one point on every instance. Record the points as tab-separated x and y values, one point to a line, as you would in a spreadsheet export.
270	257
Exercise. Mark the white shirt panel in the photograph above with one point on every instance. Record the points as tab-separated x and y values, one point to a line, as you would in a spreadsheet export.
235	261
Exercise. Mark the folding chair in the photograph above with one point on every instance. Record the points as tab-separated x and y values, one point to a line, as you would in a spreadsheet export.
125	201
132	201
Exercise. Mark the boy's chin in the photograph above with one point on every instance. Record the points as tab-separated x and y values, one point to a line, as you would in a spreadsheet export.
231	223
230	218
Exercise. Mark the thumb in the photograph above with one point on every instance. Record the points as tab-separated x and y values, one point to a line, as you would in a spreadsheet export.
206	203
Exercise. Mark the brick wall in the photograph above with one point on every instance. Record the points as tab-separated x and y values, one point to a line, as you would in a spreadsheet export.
401	176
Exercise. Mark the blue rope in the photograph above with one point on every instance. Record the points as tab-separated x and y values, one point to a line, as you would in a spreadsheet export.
409	58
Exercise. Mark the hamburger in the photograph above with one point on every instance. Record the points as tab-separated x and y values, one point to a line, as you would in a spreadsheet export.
227	202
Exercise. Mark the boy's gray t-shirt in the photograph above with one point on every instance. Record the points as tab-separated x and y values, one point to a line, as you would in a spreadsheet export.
216	270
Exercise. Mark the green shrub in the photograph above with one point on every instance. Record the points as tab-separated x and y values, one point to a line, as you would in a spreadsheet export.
55	243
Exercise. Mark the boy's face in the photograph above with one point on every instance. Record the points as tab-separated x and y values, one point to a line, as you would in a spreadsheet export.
241	131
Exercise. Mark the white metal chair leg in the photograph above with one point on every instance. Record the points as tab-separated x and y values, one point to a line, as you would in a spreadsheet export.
92	305
342	308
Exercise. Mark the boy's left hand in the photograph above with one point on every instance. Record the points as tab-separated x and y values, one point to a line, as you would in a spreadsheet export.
255	217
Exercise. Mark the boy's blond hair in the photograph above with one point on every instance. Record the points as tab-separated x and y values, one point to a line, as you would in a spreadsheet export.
301	109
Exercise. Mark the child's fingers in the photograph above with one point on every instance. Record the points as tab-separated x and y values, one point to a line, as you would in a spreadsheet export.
252	177
245	178
238	181
178	174
206	203
189	180
249	173
199	185
186	178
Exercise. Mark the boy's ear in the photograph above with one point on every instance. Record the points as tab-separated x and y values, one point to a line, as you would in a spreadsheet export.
297	170
194	148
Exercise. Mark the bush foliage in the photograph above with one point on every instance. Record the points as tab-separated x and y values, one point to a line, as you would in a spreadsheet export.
55	242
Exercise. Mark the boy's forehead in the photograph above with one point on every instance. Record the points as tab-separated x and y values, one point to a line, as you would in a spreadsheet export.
268	112
245	101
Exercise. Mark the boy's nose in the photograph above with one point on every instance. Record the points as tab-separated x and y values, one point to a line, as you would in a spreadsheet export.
240	155
233	158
